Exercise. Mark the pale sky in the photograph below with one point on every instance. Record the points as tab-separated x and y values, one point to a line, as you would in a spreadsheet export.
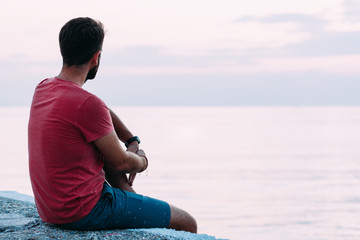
228	52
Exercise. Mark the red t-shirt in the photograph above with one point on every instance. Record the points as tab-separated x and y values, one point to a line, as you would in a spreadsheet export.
66	169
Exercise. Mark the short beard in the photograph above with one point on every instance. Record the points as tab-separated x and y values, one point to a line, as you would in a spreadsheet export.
92	73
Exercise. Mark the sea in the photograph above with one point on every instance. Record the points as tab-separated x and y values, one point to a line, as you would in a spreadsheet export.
252	173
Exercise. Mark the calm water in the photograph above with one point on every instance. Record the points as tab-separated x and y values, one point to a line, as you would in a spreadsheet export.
244	173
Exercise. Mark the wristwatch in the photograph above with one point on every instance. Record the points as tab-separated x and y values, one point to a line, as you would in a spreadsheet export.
133	139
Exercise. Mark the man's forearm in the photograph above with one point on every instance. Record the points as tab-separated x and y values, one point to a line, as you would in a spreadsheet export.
124	134
121	130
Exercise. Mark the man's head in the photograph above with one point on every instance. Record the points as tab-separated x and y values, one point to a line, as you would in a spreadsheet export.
80	39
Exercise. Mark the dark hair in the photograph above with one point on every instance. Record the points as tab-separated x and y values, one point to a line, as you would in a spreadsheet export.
80	38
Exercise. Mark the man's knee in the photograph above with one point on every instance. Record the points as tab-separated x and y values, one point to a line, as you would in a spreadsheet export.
181	220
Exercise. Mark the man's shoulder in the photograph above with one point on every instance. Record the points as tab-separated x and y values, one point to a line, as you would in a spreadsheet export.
81	97
64	92
64	87
90	100
43	83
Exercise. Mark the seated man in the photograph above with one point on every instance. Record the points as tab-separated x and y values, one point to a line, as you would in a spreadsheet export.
77	165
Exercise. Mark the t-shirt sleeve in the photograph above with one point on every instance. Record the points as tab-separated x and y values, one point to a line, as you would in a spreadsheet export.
94	119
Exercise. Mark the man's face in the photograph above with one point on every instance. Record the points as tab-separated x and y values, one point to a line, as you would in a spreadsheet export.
92	72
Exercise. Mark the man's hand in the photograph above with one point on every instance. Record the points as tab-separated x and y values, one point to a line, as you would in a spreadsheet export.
135	149
132	148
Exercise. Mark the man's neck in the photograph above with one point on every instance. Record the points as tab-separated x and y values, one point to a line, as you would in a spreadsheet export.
73	74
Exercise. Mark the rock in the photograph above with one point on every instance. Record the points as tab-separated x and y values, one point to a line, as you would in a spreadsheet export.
13	222
20	220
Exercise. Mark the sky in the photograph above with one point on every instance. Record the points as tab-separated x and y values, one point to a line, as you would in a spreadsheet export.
193	53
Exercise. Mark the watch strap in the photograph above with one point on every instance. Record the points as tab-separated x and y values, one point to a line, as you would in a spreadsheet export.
131	140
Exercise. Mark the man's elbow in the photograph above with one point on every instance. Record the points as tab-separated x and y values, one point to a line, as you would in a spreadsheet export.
127	165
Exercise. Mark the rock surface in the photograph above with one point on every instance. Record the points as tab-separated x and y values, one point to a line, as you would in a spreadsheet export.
20	220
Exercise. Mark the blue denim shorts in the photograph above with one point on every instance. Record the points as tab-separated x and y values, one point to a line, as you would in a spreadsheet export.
118	209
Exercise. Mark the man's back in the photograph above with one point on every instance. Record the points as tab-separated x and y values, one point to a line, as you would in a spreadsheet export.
66	169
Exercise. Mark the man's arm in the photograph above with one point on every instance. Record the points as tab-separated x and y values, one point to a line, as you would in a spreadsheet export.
117	158
121	130
124	134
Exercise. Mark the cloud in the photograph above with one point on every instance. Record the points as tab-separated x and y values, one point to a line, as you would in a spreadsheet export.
321	42
308	23
327	44
184	28
352	10
201	39
184	52
311	88
346	64
198	28
345	18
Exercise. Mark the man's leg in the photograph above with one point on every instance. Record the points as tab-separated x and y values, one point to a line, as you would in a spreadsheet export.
181	220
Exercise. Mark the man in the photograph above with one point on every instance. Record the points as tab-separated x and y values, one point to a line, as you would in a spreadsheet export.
75	152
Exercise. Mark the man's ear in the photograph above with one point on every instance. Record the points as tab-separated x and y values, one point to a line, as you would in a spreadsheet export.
95	58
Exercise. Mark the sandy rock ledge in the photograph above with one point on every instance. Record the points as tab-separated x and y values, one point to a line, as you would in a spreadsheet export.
20	220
